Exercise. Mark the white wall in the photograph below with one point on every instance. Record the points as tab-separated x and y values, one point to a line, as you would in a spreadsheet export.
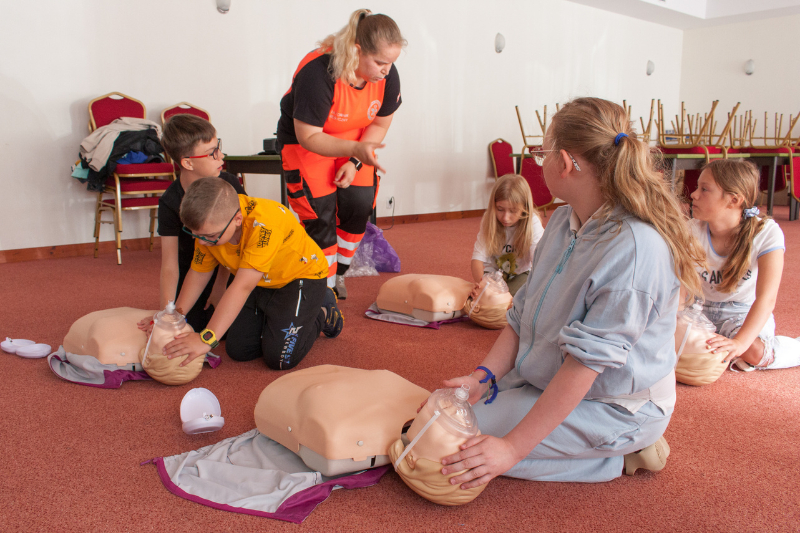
458	93
713	69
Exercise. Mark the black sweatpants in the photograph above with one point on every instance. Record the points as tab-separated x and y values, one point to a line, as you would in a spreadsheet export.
279	324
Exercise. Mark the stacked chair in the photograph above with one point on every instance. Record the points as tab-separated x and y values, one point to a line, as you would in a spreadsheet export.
132	187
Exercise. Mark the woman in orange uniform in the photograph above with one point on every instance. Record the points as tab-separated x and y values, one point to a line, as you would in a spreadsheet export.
333	117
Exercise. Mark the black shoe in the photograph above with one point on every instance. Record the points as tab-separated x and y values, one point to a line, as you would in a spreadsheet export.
334	320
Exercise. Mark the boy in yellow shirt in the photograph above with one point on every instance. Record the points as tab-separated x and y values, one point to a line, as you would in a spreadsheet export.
278	302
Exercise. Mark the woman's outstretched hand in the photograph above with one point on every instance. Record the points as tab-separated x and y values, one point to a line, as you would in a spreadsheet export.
484	458
365	152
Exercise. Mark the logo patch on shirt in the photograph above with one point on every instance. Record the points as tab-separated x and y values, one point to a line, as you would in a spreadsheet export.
199	257
250	206
263	237
373	109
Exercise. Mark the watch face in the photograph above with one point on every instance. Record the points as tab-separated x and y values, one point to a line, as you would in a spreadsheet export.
208	335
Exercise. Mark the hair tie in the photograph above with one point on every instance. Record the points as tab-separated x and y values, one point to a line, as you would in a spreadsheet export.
618	137
750	213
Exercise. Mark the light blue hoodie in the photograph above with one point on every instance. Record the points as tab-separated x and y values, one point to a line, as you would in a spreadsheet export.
607	295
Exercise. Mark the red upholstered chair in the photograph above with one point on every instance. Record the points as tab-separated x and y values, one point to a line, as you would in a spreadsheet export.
500	151
131	187
542	197
184	108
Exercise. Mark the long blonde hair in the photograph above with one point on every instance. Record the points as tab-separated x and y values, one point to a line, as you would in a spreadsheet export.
629	176
364	29
738	177
514	189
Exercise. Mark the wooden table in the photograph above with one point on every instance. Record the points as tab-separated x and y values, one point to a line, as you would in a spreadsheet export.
675	162
696	161
257	164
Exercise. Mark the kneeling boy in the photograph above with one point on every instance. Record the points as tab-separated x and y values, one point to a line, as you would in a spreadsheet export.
192	144
278	302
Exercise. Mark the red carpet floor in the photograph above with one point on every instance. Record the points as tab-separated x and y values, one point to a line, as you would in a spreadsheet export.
71	454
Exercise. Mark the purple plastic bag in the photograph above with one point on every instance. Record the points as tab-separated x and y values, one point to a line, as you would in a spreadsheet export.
386	259
374	255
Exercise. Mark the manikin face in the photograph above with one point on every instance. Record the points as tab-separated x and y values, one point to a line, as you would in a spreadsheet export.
709	201
374	67
205	167
507	213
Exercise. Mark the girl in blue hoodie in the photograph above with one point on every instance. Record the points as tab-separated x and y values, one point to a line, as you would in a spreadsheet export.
585	366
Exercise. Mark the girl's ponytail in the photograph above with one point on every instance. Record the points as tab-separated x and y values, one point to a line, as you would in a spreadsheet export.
626	169
365	30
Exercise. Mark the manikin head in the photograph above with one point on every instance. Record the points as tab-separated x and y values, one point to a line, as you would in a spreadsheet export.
696	364
365	49
191	142
489	308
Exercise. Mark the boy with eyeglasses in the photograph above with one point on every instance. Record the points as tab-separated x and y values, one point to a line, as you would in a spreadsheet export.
192	144
278	302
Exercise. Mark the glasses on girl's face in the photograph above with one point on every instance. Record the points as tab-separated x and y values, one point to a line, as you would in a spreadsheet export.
207	239
214	155
539	156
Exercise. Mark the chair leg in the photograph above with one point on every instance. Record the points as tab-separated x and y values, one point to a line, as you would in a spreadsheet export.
118	232
794	208
97	215
152	226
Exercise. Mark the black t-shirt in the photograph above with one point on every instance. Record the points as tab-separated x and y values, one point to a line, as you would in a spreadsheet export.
169	219
310	97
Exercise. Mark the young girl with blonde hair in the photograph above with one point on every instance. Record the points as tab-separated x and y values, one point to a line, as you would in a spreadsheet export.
744	254
586	363
510	229
333	117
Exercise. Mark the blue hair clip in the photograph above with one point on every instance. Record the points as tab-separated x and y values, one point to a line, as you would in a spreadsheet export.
750	213
618	137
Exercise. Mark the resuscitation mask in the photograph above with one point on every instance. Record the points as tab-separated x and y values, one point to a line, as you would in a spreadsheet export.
445	423
167	324
696	364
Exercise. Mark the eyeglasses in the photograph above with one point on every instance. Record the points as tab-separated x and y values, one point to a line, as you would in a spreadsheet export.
205	239
215	154
539	155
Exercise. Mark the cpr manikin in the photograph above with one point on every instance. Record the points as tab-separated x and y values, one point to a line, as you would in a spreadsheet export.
493	300
166	325
428	297
442	426
113	338
434	298
696	364
338	419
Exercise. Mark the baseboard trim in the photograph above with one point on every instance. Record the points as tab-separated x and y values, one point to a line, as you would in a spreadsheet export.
109	247
75	250
429	217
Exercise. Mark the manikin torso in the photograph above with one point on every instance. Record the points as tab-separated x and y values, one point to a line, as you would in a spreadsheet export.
427	297
338	419
113	337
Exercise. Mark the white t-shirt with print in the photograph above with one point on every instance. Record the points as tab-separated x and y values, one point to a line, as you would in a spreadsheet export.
769	239
511	263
